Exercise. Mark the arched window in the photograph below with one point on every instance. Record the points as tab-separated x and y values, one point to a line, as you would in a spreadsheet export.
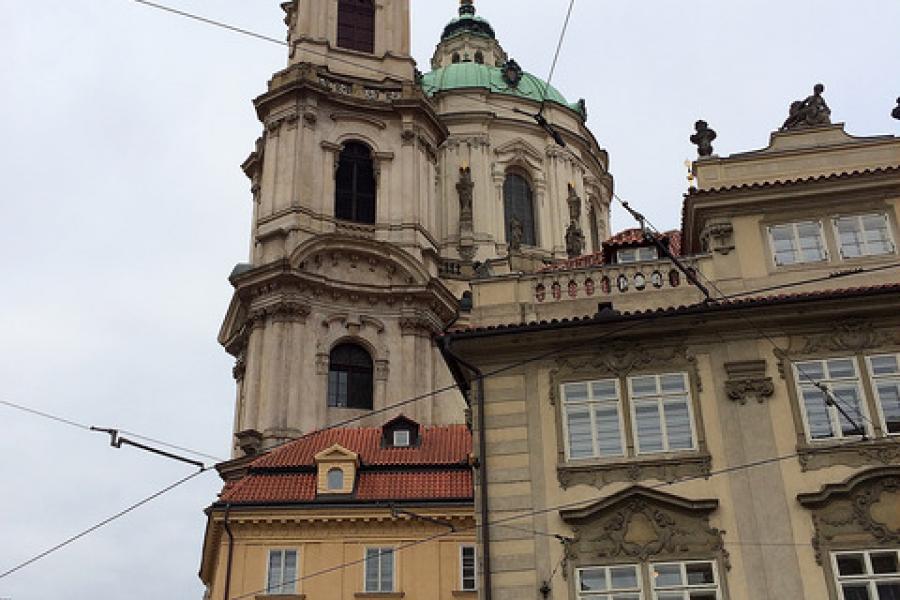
335	479
350	377
355	184
455	57
356	25
518	208
479	57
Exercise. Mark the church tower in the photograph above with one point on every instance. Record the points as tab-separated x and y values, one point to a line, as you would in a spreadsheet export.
335	313
379	192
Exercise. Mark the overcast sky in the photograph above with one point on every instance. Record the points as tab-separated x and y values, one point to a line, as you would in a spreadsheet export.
123	210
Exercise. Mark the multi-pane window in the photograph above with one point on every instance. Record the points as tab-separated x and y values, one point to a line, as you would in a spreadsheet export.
659	407
824	413
867	575
593	419
379	570
863	235
801	242
694	580
609	583
518	208
467	571
282	576
885	372
350	379
631	255
684	581
355	186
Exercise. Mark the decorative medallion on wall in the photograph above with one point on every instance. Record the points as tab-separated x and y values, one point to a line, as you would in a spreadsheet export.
642	524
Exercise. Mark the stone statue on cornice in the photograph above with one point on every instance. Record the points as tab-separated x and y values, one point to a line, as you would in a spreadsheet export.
811	112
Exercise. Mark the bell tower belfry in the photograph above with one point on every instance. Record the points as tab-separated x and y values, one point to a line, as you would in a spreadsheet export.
364	38
335	312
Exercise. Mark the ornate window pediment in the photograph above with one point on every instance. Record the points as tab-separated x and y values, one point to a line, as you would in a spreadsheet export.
642	524
860	513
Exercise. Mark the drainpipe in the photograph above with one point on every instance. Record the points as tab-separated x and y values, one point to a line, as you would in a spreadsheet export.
230	535
482	445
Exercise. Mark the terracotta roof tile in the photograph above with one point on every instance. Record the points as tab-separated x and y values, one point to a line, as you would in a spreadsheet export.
447	445
785	182
628	237
376	486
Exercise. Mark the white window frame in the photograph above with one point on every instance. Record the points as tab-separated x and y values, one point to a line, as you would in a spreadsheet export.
834	415
637	592
462	568
381	552
794	225
639	253
874	379
285	588
660	400
402	438
590	402
859	219
869	579
686	588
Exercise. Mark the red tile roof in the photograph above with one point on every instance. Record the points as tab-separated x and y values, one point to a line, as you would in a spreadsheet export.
623	239
438	446
800	180
437	469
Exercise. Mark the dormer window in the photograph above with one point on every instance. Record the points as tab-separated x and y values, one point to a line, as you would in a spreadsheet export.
401	432
633	255
337	469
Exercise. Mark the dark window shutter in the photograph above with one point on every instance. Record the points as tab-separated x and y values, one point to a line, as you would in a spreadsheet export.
356	25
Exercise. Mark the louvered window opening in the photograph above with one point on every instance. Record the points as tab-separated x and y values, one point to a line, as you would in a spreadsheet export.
356	25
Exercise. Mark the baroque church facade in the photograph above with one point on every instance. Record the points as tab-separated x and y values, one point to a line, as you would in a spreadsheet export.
455	381
377	192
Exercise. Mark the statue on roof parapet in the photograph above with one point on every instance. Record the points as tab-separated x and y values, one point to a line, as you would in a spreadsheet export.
811	112
896	112
703	139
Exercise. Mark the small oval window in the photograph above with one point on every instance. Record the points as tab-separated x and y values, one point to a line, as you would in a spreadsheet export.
335	480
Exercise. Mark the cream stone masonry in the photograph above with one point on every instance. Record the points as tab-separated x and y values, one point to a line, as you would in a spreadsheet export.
770	532
389	284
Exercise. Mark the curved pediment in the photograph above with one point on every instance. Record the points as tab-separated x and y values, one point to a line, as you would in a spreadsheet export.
359	261
641	523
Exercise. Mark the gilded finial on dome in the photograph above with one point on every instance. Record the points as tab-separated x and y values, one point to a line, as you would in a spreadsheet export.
466	7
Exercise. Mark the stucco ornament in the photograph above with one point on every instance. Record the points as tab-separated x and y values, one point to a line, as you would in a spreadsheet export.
703	138
811	112
861	512
516	234
643	524
747	379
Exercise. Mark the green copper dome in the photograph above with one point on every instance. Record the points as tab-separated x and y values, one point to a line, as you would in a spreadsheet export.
473	75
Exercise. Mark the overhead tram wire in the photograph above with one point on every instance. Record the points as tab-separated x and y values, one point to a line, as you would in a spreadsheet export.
212	22
568	505
101	524
90	428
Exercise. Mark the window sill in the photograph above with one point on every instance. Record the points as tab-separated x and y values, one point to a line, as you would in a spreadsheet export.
465	593
281	597
851	453
661	467
378	595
